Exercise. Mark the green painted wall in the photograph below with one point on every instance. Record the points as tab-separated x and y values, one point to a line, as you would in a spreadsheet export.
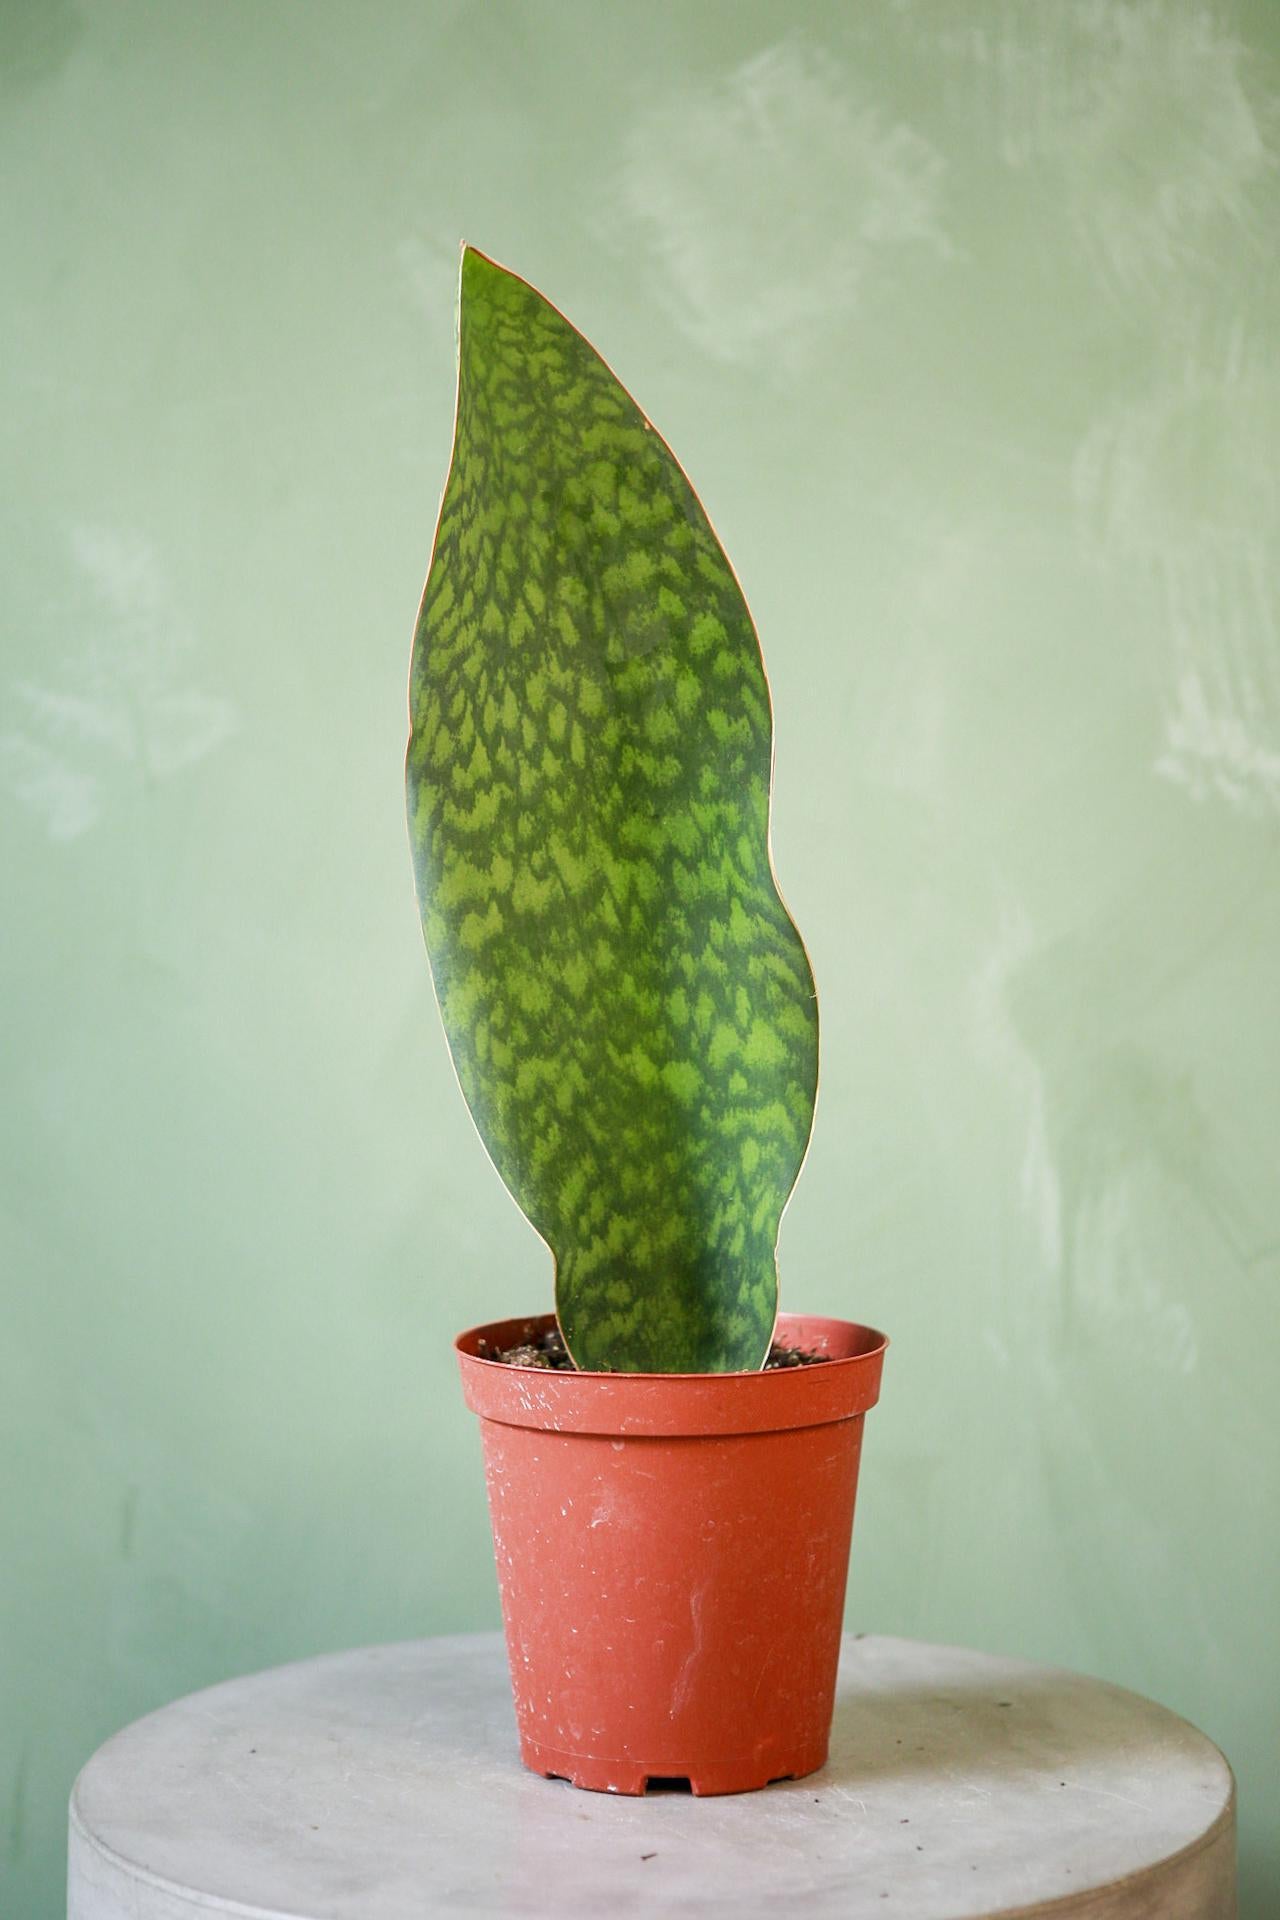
965	318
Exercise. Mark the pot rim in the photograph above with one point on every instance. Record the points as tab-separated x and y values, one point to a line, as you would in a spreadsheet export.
676	1404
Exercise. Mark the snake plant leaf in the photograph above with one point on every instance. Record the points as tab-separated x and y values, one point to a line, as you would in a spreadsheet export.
629	1007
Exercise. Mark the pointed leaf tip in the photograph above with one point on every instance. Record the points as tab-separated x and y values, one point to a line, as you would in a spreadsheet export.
479	271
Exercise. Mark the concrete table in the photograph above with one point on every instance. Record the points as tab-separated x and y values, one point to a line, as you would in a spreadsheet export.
384	1785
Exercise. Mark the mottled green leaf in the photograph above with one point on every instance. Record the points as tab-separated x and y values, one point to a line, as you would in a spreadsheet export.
629	1006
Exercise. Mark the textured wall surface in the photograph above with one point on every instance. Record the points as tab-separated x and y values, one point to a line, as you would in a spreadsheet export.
964	319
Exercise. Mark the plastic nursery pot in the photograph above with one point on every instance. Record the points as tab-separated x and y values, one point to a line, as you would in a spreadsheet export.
672	1552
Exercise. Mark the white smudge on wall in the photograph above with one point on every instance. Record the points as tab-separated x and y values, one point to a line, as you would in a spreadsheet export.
1210	751
1142	111
1114	1146
117	699
1179	487
1125	1287
771	197
907	722
998	1043
996	1040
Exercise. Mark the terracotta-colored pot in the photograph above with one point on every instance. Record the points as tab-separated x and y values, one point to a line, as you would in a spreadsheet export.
672	1552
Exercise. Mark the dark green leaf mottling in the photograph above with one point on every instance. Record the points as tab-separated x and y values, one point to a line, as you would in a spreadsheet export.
629	1006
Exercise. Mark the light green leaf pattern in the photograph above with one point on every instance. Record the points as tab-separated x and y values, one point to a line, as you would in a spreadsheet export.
629	1006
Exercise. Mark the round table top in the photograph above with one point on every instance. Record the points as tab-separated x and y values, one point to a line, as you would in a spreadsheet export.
385	1783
